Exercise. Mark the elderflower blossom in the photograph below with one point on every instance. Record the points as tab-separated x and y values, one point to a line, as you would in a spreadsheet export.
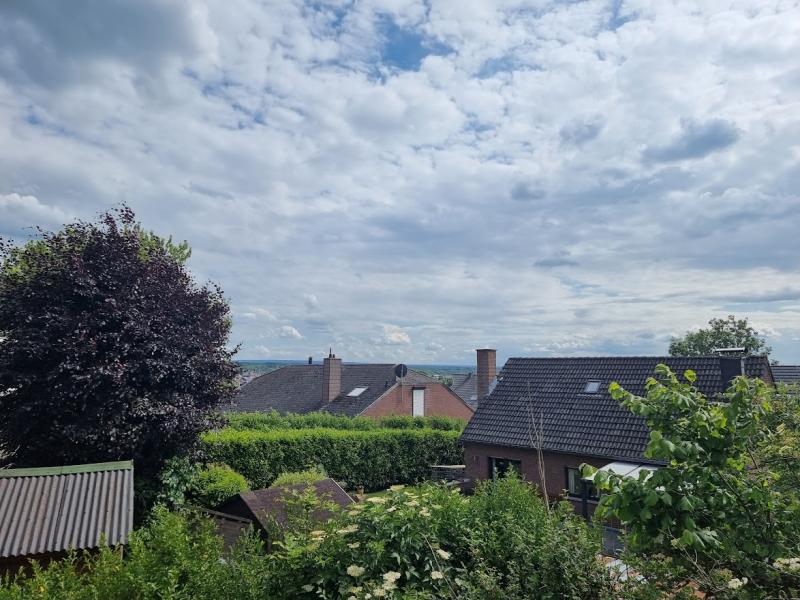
354	545
443	553
425	512
391	509
349	529
412	503
307	587
788	564
379	592
391	576
355	571
736	583
437	575
396	488
377	500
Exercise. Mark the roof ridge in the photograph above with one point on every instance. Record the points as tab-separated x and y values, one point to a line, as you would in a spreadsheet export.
120	465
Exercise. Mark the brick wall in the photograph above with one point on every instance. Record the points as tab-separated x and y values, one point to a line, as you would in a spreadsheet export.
440	401
476	459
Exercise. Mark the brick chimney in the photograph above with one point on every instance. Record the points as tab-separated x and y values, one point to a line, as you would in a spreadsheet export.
487	370
331	377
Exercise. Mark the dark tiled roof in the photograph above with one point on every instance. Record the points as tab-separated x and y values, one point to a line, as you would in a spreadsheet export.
229	527
571	421
345	405
298	389
466	386
786	373
51	509
264	506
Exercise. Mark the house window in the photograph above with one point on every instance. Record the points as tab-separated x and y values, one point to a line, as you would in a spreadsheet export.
501	466
592	387
356	392
418	402
574	484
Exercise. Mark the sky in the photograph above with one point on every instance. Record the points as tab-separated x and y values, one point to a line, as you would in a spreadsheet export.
408	181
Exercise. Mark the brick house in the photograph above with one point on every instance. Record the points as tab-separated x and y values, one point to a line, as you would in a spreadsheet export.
369	390
561	408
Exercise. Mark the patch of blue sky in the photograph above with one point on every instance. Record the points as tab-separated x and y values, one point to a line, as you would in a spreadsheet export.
405	48
617	18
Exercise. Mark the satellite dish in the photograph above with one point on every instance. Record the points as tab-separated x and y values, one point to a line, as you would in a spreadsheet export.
401	370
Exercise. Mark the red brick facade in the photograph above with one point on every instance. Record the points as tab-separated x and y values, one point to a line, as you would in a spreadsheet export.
476	459
440	401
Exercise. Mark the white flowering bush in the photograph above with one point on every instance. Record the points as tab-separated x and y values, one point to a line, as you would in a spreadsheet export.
431	542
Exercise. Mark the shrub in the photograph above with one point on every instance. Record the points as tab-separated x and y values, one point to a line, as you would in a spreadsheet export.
176	556
429	542
374	459
423	543
308	476
215	484
274	420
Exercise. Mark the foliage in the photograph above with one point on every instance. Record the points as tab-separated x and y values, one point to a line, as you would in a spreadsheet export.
275	420
721	333
374	459
311	475
215	484
422	543
781	449
177	556
714	508
108	348
431	542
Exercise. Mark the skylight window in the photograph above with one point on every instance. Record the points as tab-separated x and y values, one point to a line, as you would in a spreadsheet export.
592	387
356	392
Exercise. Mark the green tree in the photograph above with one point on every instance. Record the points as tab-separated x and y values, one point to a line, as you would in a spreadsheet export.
713	508
108	348
721	333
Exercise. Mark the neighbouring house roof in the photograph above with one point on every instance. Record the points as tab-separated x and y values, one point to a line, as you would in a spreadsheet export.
268	506
550	393
229	527
465	385
298	389
52	509
786	373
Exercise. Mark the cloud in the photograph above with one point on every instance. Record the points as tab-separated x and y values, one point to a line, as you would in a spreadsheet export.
311	302
558	259
440	167
696	140
20	213
289	332
581	131
395	336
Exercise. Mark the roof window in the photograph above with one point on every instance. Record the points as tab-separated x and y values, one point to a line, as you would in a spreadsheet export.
592	387
356	392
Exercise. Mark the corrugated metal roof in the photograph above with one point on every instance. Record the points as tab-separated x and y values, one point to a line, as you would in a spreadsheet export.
51	509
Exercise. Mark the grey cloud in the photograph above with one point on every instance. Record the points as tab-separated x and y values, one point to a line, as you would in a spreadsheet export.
696	140
580	132
61	43
559	259
526	191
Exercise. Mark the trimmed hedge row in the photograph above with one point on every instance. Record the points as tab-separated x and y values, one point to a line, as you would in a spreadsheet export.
374	459
274	420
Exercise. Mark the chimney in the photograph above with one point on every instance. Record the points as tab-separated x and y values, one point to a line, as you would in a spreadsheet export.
331	377
487	370
311	360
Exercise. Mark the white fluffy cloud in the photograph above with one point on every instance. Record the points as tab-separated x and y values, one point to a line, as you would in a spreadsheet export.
543	177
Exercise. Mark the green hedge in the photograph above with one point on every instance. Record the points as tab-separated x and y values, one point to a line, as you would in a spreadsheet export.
274	420
374	458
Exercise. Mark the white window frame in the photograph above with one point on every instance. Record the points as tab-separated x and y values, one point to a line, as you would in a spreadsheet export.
418	402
